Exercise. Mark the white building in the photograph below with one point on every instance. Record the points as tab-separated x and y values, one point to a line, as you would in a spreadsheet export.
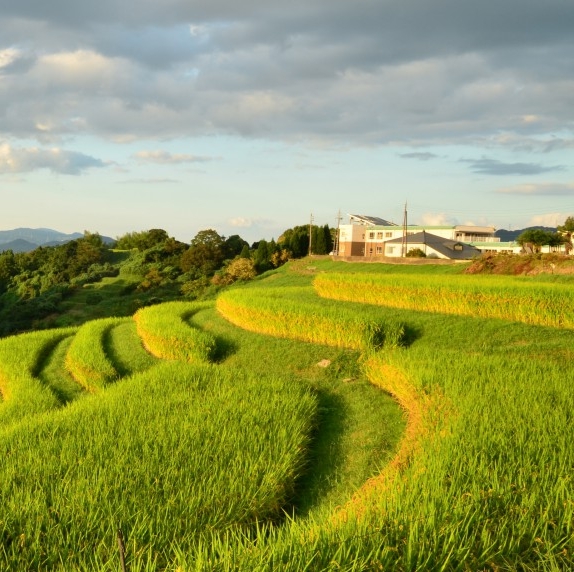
367	236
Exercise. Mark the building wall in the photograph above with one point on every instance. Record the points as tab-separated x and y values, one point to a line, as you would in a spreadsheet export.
352	240
395	250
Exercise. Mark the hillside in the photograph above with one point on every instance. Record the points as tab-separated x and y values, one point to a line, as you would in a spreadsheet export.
258	429
27	239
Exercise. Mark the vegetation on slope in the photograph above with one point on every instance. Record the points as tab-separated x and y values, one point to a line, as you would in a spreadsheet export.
481	480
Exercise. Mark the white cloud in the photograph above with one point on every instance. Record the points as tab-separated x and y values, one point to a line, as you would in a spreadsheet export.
550	219
436	219
241	222
20	160
8	56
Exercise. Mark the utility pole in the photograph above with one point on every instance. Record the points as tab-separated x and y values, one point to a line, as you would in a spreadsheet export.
337	236
404	241
311	235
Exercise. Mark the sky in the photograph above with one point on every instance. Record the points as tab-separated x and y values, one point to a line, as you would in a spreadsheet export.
252	117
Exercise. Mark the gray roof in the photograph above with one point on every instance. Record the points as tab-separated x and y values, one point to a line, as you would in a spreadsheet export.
371	220
442	245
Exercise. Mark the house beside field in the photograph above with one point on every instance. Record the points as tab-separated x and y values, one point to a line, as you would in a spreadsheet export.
372	236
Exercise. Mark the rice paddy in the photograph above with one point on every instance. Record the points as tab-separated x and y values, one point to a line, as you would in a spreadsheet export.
237	444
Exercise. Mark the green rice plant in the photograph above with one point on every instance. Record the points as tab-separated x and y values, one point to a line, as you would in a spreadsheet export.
21	357
284	312
163	456
53	373
125	349
166	334
483	480
509	298
87	359
195	464
358	425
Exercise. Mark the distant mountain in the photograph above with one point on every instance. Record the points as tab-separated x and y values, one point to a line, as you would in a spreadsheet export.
18	245
511	235
38	236
26	239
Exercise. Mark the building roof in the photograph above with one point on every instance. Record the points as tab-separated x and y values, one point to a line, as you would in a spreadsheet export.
444	246
370	220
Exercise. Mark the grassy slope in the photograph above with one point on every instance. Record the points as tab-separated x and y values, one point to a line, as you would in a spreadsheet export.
470	498
484	484
356	431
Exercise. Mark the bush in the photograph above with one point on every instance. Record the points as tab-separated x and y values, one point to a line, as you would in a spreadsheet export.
416	253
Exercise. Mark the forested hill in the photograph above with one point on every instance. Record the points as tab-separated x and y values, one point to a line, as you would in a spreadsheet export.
86	278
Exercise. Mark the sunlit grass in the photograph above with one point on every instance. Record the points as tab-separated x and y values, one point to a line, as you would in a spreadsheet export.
166	334
163	456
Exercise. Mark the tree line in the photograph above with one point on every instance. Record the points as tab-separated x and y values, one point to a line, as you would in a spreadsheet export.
33	285
535	238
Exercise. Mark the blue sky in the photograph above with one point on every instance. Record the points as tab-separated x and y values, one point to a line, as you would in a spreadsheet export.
247	117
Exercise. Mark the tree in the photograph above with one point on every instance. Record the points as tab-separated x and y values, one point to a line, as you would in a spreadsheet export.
234	245
567	232
141	240
245	252
535	238
205	254
262	256
322	240
239	269
8	269
296	240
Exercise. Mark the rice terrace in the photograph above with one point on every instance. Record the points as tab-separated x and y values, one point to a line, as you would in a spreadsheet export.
324	416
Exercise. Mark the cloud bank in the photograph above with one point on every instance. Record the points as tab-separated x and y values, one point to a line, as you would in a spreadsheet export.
335	73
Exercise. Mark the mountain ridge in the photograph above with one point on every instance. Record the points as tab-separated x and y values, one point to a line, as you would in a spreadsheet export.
25	239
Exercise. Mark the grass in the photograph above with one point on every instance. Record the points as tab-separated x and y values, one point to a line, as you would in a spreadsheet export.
358	426
53	373
87	359
23	393
293	313
164	455
166	334
125	349
481	479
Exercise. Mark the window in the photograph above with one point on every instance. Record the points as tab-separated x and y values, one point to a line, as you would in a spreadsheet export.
379	250
390	249
379	235
371	235
389	234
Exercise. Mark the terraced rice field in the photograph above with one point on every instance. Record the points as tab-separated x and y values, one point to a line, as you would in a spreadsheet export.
255	432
